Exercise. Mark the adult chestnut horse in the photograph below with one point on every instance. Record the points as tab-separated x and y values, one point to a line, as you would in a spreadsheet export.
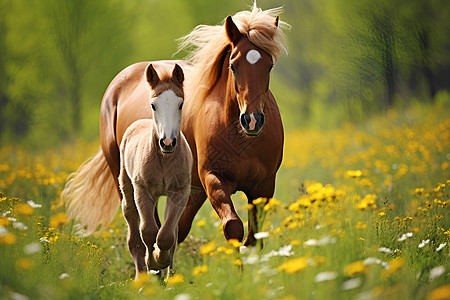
230	120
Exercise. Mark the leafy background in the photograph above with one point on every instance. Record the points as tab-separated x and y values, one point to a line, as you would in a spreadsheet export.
352	58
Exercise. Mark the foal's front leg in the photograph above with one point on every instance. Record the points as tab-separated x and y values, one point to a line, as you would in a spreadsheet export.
168	234
130	212
146	205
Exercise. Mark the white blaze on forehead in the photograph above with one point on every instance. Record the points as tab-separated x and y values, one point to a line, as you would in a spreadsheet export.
253	56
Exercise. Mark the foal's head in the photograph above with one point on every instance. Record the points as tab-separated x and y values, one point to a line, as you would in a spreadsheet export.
166	101
249	69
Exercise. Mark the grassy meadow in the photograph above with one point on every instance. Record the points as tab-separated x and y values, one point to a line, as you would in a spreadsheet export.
360	212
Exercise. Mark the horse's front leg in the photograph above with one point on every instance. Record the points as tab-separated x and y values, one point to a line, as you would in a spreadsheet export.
168	234
264	189
219	191
146	204
130	212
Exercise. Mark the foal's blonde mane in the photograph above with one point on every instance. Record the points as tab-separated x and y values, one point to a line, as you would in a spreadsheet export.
208	44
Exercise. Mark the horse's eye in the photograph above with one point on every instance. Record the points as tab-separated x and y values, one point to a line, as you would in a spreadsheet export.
271	67
153	107
233	69
181	106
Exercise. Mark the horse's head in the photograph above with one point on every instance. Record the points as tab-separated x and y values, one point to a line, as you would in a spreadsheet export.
166	101
249	74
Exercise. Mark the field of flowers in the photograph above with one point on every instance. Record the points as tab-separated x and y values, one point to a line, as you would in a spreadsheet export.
361	211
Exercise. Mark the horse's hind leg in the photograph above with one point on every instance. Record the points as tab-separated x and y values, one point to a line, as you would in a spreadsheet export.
130	212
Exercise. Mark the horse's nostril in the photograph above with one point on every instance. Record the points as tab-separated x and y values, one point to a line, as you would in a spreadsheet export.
245	119
174	142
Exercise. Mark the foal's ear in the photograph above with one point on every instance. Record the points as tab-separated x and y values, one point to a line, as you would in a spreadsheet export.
233	33
178	75
152	76
277	19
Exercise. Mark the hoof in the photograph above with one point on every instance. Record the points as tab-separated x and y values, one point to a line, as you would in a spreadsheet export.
234	229
161	257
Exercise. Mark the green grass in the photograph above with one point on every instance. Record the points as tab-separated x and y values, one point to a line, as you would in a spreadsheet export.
342	195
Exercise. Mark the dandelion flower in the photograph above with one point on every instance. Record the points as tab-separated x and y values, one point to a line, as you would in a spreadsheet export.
24	209
175	279
440	293
201	223
199	270
294	265
235	243
8	238
24	263
355	268
207	248
353	173
259	200
58	220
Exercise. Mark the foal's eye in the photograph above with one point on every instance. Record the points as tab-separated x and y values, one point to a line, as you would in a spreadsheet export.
233	69
181	106
153	107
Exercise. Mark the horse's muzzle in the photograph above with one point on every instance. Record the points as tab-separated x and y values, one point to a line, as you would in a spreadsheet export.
168	145
252	124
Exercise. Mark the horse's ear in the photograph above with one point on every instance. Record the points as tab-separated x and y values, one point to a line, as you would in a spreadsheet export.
233	33
277	19
152	76
178	75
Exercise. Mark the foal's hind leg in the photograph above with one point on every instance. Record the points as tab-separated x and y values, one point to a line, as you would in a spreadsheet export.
130	212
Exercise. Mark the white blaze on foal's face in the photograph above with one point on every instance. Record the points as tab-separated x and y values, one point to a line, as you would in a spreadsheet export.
253	56
167	109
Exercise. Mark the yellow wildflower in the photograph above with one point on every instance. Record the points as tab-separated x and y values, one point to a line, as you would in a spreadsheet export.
201	223
8	238
4	221
141	279
247	206
235	243
207	248
58	220
353	173
294	265
394	265
237	262
24	209
175	279
259	200
200	270
355	268
24	263
440	293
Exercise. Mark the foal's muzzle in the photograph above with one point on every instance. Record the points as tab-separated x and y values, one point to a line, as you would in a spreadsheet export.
167	144
252	123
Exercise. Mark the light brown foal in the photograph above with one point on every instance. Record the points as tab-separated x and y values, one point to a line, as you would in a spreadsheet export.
155	160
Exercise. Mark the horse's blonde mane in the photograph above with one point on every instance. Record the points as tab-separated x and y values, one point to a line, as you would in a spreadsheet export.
207	45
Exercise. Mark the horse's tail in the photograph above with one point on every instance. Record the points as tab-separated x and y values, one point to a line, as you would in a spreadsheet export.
91	194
